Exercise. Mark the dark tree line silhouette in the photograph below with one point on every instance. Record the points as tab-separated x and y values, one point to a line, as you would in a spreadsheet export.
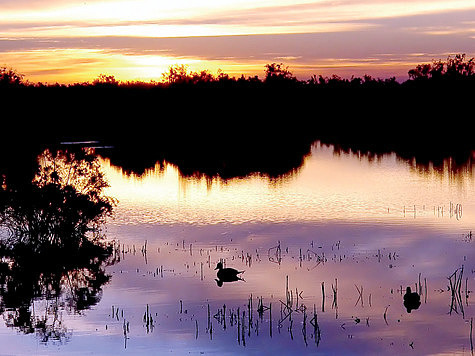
457	67
227	126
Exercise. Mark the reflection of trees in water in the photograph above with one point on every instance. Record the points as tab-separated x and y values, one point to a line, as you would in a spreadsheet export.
278	157
63	206
455	164
216	154
53	256
35	290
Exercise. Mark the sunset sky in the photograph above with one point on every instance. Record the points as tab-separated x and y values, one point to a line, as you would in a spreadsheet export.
72	41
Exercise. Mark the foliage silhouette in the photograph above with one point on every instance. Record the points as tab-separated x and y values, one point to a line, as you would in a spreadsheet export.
51	246
105	81
455	68
10	78
220	125
62	208
279	75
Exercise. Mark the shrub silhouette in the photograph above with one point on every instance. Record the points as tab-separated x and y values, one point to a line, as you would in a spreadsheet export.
10	78
104	80
455	68
62	209
278	74
54	251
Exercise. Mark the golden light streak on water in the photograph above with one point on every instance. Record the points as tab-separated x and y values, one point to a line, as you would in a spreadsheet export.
343	188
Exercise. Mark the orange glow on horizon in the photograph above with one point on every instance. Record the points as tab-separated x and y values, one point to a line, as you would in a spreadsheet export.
55	41
69	66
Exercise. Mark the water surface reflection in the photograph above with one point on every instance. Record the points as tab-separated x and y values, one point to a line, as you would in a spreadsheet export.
328	255
329	187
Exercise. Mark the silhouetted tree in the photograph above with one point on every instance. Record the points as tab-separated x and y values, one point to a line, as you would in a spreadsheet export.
62	208
10	77
455	68
177	74
104	80
420	72
203	77
278	74
459	67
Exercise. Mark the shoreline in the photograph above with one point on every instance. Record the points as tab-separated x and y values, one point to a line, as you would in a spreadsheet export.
234	132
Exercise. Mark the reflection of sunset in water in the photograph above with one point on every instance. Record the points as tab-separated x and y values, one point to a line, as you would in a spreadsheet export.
329	187
327	230
322	241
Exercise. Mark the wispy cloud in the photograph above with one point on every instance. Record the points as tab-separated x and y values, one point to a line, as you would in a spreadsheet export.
180	18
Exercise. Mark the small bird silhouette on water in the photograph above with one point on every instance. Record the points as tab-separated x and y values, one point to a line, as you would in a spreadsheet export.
227	275
412	300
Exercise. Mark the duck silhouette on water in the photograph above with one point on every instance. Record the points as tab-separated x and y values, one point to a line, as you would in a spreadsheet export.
412	300
227	274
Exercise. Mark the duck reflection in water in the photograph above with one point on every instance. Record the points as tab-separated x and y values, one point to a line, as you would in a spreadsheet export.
412	300
227	275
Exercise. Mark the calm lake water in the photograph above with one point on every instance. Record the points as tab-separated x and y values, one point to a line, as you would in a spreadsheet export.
327	253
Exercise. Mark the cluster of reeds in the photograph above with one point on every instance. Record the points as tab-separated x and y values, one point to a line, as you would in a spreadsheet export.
455	210
334	288
392	256
246	322
293	304
123	249
144	251
125	323
468	237
455	285
314	256
148	320
275	254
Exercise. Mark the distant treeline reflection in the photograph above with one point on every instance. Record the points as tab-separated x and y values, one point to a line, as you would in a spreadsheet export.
207	156
276	167
52	251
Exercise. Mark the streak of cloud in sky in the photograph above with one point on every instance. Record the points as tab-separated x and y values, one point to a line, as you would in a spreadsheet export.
68	41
